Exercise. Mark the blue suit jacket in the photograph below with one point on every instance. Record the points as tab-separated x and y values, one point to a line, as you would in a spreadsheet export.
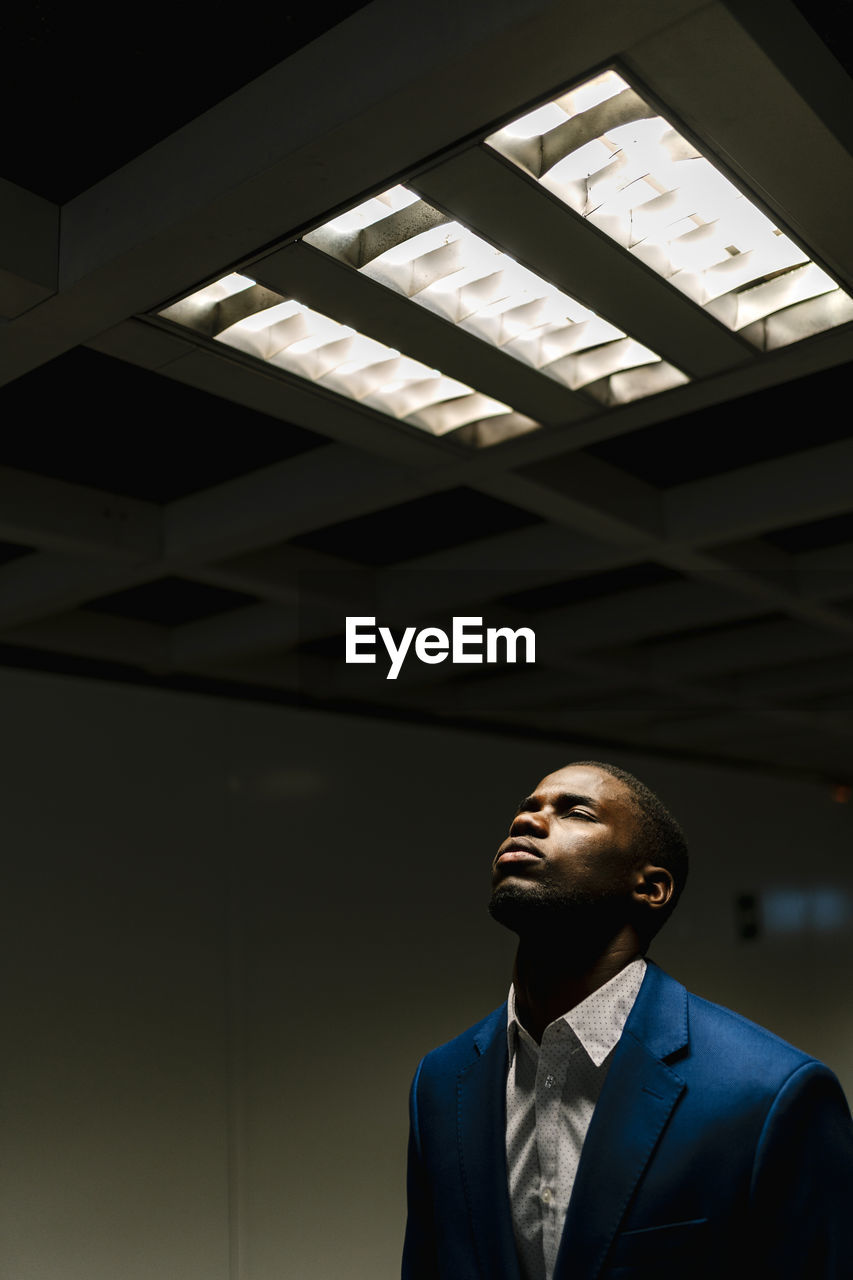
715	1149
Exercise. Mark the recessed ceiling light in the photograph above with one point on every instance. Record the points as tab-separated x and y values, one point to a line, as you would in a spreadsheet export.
404	243
288	335
609	156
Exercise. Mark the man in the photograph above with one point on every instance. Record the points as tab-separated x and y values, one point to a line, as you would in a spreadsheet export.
603	1122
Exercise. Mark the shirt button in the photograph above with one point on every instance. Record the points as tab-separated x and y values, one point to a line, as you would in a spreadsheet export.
546	1195
549	1081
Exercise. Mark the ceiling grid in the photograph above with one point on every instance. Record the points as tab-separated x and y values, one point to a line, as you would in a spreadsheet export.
555	438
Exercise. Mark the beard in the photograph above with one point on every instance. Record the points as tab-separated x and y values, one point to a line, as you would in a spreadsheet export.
541	909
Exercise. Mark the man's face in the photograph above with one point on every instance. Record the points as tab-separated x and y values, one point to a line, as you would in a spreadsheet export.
569	851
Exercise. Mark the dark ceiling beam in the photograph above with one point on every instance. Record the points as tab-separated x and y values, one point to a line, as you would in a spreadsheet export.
39	511
277	572
29	250
44	584
795	489
314	489
83	634
803	58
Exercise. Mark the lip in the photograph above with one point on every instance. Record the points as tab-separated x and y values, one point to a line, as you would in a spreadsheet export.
518	851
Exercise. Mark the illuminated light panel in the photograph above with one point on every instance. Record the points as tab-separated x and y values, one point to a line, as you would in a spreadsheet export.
606	153
405	244
288	335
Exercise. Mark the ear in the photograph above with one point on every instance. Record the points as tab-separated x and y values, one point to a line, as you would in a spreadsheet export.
654	886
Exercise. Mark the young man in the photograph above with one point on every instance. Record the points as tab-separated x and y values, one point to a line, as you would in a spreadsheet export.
604	1122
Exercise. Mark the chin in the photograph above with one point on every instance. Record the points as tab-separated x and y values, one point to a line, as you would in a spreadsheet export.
527	907
518	905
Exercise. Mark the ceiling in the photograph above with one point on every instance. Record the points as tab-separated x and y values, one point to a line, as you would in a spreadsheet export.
176	514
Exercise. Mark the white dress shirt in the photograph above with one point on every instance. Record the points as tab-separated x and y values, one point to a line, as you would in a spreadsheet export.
551	1092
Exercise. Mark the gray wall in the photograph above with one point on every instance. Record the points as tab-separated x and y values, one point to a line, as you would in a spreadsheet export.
231	930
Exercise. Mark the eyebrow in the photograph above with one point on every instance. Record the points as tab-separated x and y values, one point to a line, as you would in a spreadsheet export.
566	799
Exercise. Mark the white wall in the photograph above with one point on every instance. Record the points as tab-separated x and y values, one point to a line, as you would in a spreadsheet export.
231	930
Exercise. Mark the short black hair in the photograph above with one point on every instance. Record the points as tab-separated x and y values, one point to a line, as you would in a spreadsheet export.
660	838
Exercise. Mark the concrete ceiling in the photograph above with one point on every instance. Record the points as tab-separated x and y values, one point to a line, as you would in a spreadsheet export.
175	514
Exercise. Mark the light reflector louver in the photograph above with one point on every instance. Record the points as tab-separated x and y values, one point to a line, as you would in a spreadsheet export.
405	244
289	335
608	155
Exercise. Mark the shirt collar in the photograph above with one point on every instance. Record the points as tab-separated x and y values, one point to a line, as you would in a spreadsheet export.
599	1020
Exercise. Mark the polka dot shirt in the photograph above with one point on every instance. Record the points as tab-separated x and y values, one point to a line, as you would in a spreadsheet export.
551	1093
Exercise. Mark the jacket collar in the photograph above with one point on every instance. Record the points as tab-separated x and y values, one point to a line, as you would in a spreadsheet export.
659	1016
639	1094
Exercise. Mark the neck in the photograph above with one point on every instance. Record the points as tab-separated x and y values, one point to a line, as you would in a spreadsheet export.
550	979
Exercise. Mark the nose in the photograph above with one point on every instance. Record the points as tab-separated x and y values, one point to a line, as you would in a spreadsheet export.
531	822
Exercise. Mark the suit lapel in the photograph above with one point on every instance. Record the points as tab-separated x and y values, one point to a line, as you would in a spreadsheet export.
635	1104
481	1094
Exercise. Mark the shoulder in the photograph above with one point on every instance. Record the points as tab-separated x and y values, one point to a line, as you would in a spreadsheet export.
721	1049
455	1054
749	1043
737	1057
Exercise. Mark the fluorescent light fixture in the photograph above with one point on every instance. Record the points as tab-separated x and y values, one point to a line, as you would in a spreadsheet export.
405	244
288	335
607	154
